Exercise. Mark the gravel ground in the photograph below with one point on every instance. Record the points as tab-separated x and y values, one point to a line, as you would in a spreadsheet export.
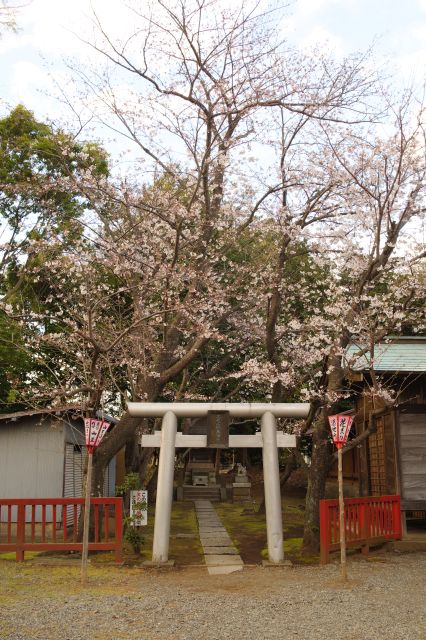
385	598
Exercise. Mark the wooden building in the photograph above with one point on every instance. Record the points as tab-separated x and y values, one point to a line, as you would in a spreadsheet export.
392	460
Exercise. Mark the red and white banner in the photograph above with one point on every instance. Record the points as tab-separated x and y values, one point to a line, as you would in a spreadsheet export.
102	431
94	432
340	426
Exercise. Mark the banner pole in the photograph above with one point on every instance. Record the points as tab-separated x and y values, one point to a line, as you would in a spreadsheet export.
341	515
85	551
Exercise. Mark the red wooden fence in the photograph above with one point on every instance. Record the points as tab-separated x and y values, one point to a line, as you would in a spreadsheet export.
50	524
368	521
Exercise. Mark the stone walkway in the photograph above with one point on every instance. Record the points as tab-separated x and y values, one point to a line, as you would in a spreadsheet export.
220	555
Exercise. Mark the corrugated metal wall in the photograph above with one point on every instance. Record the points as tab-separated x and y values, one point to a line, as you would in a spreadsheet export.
412	436
75	457
44	458
31	459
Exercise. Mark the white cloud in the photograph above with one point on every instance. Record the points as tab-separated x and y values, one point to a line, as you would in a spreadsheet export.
311	7
319	37
305	24
57	26
409	52
412	65
26	79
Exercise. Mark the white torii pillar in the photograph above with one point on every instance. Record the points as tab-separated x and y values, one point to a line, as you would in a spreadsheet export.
168	439
271	483
166	468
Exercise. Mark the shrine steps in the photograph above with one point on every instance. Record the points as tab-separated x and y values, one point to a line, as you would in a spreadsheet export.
191	493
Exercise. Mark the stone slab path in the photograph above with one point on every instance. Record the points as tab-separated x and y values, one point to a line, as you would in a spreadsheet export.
220	555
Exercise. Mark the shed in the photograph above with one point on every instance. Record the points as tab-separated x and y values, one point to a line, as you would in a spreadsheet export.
42	455
393	459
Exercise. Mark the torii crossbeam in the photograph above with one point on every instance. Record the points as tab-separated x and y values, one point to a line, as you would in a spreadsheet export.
168	439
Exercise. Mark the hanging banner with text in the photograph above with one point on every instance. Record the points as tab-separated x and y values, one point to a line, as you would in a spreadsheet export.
94	432
340	426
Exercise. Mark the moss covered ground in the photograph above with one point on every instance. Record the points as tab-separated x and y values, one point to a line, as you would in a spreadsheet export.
185	547
244	522
247	528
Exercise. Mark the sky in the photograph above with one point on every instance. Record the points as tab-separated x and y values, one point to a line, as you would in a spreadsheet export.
32	60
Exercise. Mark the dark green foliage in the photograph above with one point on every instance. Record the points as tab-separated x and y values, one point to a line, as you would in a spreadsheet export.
33	160
42	201
14	363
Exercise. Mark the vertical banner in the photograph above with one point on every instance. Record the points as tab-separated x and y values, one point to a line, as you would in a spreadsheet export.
333	420
345	423
102	431
139	508
87	422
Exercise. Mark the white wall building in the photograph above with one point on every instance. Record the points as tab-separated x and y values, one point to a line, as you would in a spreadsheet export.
42	455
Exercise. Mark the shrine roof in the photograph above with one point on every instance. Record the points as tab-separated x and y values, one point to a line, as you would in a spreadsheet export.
398	355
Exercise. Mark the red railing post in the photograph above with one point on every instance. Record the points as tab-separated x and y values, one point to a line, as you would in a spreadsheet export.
377	519
47	538
396	517
364	526
20	532
324	532
9	522
119	530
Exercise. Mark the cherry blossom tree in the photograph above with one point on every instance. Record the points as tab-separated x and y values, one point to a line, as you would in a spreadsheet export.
266	223
8	12
371	215
383	271
209	92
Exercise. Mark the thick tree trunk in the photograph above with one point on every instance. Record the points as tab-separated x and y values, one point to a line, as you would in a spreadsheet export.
145	461
152	486
320	464
123	431
321	459
132	453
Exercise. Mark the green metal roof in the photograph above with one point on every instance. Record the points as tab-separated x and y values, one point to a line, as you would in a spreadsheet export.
407	355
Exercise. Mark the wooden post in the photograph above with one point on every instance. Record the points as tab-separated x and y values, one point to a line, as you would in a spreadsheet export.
364	526
324	533
85	550
20	532
217	463
341	515
119	532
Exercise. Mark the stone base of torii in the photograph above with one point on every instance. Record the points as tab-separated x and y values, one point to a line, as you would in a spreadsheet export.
168	439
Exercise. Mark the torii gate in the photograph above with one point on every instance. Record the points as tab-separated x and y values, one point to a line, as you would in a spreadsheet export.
168	439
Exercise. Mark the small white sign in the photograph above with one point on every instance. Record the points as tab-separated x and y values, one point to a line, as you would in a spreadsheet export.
139	507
